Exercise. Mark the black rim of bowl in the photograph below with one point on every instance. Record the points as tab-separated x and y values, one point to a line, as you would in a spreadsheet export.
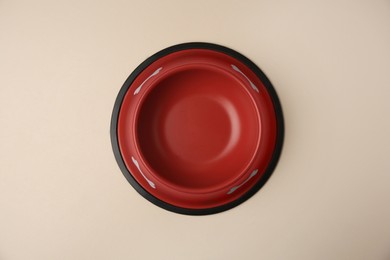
278	114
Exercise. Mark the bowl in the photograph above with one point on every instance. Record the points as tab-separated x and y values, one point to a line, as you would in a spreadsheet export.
197	128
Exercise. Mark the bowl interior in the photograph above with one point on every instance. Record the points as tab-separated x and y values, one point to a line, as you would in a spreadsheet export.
198	128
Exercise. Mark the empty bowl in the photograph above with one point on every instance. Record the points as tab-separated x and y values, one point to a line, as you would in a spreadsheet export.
197	128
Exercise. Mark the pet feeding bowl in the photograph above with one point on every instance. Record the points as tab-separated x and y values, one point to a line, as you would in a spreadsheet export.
197	128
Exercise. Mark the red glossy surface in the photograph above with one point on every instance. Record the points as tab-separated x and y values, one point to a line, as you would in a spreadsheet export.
197	129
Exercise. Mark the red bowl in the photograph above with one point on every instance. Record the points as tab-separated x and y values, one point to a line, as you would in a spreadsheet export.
197	128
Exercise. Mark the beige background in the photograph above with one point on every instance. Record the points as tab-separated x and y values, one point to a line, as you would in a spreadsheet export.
62	195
